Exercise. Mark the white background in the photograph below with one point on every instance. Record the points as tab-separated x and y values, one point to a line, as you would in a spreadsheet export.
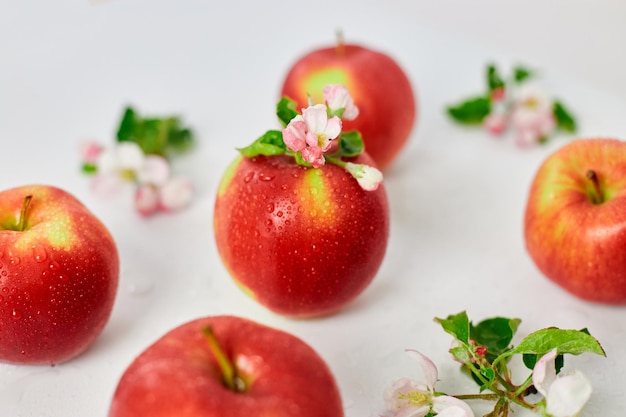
457	196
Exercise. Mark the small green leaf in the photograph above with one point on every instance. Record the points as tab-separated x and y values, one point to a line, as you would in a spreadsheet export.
127	125
350	143
489	374
88	168
493	78
564	119
286	110
521	74
495	333
457	325
572	342
530	359
271	143
460	354
471	111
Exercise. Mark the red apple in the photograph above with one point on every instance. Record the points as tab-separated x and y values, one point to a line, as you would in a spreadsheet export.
227	366
58	275
301	241
380	88
575	223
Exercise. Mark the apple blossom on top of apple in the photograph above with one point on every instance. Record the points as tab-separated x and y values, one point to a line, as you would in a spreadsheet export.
314	137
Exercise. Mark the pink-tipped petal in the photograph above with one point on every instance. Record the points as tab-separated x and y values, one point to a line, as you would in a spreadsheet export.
316	118
313	156
90	151
176	194
333	128
155	170
146	200
447	406
544	372
429	369
294	135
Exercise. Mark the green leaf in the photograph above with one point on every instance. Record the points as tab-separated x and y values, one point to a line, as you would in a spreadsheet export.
155	136
493	78
89	168
350	143
457	325
572	342
471	111
271	143
489	374
460	354
564	119
530	359
521	74
286	110
495	333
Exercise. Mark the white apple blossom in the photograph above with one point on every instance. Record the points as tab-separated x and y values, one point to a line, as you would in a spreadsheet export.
340	102
368	177
312	133
407	398
566	393
532	116
126	163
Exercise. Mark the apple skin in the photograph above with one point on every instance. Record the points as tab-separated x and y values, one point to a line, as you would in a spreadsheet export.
178	375
302	241
380	89
579	244
58	277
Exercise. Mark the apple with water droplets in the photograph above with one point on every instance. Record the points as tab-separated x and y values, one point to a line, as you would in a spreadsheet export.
575	221
227	366
302	241
380	87
59	272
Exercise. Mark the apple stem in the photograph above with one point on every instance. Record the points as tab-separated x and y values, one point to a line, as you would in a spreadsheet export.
597	197
341	47
229	374
21	224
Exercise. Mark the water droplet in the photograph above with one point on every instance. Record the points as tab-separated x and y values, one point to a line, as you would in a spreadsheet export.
17	314
5	290
316	248
248	177
39	254
270	207
63	278
15	260
266	177
279	213
54	266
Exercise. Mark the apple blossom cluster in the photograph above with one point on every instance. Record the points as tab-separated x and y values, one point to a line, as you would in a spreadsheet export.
140	157
314	137
523	108
484	350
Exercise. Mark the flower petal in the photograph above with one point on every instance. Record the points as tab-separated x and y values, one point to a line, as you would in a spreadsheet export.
146	199
447	406
316	118
368	177
544	372
313	156
294	134
332	130
155	170
568	394
428	367
129	156
175	194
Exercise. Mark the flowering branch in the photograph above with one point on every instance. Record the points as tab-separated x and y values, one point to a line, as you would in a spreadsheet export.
141	157
513	103
484	350
315	137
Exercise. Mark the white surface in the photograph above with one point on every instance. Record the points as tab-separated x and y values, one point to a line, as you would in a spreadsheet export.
457	197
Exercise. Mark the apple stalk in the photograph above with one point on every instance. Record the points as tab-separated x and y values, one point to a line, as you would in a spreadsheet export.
596	195
21	223
231	380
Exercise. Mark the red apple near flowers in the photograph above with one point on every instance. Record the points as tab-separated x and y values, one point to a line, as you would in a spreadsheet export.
58	275
379	86
300	232
575	222
227	366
